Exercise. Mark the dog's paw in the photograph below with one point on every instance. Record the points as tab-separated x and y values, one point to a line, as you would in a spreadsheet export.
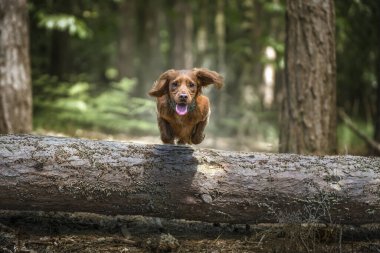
197	138
167	139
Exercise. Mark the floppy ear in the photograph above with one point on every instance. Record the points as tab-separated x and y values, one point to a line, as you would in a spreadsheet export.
206	77
160	85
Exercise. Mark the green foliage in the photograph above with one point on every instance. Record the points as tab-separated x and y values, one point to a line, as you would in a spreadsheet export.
72	38
273	7
73	105
79	51
63	22
260	124
349	142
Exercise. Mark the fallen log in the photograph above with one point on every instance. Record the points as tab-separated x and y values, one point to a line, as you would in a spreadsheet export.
66	174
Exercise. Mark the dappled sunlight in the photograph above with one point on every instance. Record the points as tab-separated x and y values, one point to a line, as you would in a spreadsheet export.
93	64
111	139
269	77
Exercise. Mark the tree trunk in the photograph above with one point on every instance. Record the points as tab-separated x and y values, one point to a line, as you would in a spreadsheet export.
150	59
202	36
308	116
64	174
15	84
182	54
127	45
377	115
220	33
59	54
220	99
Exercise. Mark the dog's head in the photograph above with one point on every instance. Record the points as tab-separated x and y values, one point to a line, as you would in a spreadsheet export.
182	86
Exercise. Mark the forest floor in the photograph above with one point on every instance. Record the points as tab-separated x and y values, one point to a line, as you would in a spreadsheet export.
236	143
29	232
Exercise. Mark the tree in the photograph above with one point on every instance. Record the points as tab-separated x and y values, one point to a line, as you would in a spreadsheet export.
182	35
127	44
376	19
66	174
150	62
220	37
202	35
358	33
15	81
308	114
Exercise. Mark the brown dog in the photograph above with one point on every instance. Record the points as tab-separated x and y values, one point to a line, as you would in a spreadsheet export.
182	110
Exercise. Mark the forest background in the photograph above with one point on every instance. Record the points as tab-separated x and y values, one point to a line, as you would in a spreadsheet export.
93	62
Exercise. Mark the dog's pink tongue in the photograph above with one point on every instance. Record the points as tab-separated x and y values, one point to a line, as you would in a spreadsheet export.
181	109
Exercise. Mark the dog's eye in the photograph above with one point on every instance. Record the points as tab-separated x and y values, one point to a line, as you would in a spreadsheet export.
175	84
191	85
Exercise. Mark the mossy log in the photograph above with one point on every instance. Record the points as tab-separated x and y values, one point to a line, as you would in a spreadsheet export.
66	174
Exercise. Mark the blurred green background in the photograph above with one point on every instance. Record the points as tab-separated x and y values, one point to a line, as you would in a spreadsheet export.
93	63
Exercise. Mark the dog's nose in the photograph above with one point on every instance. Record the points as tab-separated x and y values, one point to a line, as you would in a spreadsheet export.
183	97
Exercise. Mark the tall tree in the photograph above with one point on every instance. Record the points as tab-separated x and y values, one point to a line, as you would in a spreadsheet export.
308	115
150	60
15	81
127	45
376	8
182	40
202	36
220	39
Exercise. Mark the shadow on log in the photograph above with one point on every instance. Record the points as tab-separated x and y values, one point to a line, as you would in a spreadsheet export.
66	174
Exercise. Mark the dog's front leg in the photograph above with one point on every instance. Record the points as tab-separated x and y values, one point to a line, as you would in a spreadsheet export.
198	135
166	131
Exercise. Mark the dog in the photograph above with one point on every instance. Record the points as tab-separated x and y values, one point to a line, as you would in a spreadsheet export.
182	110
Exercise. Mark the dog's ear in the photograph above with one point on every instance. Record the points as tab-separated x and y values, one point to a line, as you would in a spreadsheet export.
206	77
160	86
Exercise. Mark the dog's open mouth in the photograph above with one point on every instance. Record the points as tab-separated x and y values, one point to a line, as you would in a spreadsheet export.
181	109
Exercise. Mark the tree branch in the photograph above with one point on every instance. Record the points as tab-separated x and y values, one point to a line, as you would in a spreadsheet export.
373	144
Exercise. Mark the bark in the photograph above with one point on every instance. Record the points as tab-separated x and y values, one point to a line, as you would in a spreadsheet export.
308	116
15	84
64	174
